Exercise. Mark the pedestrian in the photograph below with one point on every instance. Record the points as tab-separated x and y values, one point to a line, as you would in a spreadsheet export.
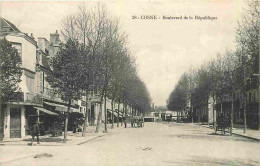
35	132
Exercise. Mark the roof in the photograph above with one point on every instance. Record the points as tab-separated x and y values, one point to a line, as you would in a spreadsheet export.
7	26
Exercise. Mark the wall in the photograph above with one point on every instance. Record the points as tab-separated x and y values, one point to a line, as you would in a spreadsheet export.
28	51
28	58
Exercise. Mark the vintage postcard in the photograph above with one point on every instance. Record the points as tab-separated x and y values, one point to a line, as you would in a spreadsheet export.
129	83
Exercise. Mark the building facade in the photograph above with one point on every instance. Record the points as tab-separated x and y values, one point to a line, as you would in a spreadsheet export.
37	100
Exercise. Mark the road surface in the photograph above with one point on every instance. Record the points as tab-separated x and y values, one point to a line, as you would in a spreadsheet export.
157	144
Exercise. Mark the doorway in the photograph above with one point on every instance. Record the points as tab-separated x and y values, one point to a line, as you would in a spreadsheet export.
15	123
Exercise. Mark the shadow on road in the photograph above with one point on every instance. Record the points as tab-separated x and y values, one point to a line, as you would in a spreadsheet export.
205	160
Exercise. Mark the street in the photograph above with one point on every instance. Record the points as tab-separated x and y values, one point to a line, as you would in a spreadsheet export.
155	144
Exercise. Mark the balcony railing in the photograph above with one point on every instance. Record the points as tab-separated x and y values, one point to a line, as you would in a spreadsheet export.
17	96
33	98
50	94
27	97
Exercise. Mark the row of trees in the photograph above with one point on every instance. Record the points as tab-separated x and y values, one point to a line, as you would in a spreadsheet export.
234	72
95	57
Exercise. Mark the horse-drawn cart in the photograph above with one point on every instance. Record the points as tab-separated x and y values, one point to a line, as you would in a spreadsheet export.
137	121
222	124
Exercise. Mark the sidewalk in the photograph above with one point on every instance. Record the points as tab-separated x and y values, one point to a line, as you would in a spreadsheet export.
72	138
250	133
10	147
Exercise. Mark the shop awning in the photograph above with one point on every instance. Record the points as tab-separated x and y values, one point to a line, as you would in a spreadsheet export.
61	108
45	111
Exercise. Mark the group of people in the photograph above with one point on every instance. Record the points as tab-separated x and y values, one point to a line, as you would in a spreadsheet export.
138	120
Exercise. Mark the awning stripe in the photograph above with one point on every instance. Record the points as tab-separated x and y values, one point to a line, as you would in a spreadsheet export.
46	111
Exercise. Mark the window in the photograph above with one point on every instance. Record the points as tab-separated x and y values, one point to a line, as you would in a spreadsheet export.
18	46
30	83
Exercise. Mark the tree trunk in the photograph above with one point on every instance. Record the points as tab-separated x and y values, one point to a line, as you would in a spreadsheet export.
66	122
221	110
99	115
85	120
118	106
112	106
122	116
191	113
1	120
125	116
258	91
199	113
232	115
177	116
214	123
244	112
85	123
207	110
105	109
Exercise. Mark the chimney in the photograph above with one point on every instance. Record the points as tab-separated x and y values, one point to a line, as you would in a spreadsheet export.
32	36
54	38
41	44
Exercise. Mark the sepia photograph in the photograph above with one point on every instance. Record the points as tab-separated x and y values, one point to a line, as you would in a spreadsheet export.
129	83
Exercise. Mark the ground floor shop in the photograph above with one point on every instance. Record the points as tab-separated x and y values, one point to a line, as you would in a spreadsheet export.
19	118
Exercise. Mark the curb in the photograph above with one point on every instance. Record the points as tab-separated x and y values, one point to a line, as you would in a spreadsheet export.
88	140
61	144
241	135
255	139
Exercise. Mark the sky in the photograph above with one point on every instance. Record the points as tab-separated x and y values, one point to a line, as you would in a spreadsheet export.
164	48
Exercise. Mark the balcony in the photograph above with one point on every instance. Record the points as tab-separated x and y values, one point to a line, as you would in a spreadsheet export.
26	97
50	94
33	98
